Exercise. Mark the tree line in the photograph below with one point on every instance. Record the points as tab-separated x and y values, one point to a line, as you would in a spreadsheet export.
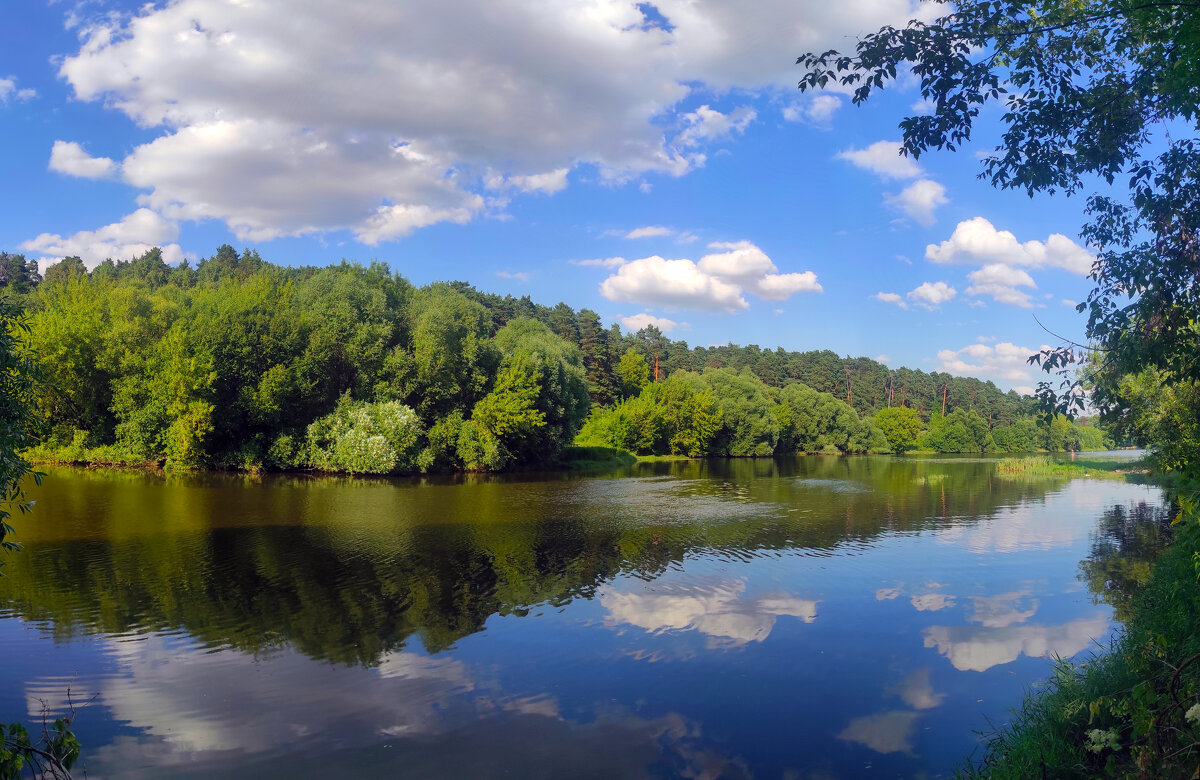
236	362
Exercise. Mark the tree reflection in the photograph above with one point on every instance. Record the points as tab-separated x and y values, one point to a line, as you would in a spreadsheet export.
1128	539
350	570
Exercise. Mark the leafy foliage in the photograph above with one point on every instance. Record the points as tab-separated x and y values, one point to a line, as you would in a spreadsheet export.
17	418
902	427
1097	89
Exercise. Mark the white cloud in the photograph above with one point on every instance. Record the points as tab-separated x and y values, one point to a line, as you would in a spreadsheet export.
931	295
656	281
817	111
923	106
919	200
134	235
888	297
707	124
287	117
1069	303
548	183
1000	282
650	231
717	283
519	276
1004	361
882	358
883	159
978	242
70	158
9	90
599	262
636	322
746	265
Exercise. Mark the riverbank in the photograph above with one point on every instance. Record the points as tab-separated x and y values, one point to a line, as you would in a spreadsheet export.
1134	710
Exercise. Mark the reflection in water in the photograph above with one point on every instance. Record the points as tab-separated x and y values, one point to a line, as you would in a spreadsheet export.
979	649
1003	610
885	732
917	691
716	609
1127	541
221	710
932	602
464	627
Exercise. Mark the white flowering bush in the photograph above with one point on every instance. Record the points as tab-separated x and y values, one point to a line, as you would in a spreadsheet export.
365	438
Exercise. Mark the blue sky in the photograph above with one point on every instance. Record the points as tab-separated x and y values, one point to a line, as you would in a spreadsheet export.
654	163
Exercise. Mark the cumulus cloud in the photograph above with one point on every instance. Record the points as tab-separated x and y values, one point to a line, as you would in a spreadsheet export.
707	124
286	117
518	276
1000	282
919	200
70	158
931	295
882	158
9	90
817	111
1004	361
635	322
893	298
978	242
134	235
717	283
657	281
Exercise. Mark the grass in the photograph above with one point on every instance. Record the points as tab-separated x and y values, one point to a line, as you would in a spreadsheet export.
1123	714
1042	467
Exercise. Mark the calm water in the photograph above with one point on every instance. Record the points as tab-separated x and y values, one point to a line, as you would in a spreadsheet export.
811	618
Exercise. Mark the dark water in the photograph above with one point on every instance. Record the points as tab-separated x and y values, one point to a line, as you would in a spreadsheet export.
812	618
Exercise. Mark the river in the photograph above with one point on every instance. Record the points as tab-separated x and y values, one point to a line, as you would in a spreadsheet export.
818	617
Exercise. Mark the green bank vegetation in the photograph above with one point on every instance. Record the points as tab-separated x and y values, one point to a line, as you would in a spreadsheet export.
237	363
1096	92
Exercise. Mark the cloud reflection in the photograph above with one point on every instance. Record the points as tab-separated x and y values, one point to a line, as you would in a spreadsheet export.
1004	609
885	732
971	648
717	609
917	691
195	713
932	602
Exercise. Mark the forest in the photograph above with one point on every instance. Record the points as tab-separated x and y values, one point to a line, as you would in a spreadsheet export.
238	363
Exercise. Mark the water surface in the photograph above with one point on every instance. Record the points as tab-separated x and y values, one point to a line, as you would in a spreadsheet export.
808	618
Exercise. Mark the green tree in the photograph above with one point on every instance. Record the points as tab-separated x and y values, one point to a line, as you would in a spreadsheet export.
959	431
633	372
555	367
901	425
17	417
